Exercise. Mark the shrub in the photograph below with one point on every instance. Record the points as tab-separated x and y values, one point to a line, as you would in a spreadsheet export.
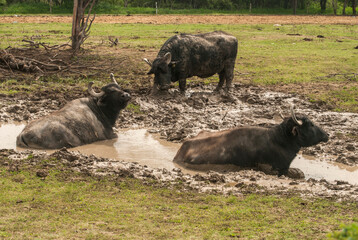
348	232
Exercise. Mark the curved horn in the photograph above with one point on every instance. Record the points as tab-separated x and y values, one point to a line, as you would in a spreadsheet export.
93	93
113	79
147	61
298	122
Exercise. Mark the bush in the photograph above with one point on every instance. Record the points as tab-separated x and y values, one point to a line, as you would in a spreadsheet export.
348	232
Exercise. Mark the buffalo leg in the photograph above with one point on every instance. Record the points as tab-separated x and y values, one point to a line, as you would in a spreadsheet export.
154	89
229	75
182	84
221	81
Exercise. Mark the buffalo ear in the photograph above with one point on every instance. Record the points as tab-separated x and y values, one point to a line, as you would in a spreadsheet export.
173	63
167	58
295	131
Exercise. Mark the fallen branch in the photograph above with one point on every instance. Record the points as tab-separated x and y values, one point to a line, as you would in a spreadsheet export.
26	64
15	64
113	42
33	44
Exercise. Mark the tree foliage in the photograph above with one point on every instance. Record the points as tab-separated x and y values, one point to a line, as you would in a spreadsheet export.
214	4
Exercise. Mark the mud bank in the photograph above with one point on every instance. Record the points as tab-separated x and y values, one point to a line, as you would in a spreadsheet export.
175	117
178	117
234	183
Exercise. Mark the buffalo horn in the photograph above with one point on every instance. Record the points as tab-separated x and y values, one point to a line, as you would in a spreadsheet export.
113	79
93	93
298	122
147	61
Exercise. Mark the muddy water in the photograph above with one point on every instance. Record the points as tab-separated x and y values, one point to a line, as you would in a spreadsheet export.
327	170
8	134
137	145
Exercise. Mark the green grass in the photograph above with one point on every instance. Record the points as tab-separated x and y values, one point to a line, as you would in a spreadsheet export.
348	232
66	205
267	55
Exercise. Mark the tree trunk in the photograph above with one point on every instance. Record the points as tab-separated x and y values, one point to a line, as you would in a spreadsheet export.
334	6
344	7
51	3
323	5
354	6
80	26
294	7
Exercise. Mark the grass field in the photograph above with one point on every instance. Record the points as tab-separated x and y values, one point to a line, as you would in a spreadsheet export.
318	61
68	205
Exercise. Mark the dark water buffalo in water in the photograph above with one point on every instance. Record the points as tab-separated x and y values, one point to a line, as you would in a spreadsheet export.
183	56
79	122
251	146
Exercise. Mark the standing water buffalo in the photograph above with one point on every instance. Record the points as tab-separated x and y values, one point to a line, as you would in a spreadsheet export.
79	122
250	146
183	56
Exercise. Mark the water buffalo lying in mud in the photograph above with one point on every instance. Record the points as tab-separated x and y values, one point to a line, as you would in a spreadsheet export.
79	122
185	55
251	146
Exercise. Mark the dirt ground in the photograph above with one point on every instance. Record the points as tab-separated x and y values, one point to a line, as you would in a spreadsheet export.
177	117
185	19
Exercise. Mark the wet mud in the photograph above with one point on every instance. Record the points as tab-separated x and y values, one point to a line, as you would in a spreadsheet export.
233	183
174	117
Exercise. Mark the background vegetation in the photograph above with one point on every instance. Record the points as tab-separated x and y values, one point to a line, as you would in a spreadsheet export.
184	6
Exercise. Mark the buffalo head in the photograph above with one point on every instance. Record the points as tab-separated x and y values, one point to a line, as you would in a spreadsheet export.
111	95
162	70
304	130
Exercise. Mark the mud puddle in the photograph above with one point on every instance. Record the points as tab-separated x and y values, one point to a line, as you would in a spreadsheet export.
138	145
329	171
135	145
8	134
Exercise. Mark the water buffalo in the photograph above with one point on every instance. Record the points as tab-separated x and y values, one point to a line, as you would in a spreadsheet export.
251	146
79	122
185	55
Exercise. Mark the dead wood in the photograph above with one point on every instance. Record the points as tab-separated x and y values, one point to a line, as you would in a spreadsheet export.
33	44
25	64
113	42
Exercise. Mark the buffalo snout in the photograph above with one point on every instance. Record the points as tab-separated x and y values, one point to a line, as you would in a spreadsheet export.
325	136
126	96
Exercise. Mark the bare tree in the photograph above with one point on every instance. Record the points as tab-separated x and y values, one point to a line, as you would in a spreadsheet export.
51	4
323	5
344	7
334	6
294	7
81	24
